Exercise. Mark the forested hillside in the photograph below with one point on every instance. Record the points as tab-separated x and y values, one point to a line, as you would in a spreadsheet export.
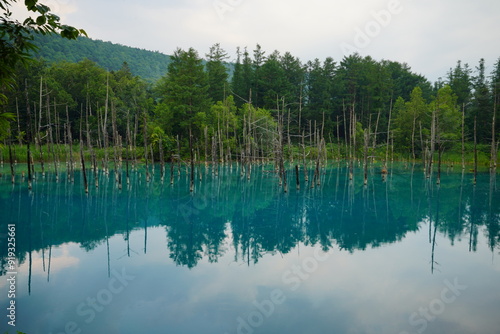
147	64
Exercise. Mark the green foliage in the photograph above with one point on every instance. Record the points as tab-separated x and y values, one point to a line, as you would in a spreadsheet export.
16	43
149	65
192	97
16	39
5	119
185	90
448	116
217	73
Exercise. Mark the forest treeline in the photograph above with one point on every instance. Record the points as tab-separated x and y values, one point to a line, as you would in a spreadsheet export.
272	106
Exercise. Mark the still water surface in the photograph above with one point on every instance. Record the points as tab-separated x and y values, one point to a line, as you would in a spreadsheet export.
241	256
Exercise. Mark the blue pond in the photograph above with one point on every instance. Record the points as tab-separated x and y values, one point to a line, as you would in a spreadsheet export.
239	255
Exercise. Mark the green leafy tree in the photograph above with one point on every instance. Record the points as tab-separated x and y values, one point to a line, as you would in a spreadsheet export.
481	106
419	117
185	90
257	91
322	89
402	125
495	91
270	80
460	82
237	79
448	116
409	118
217	73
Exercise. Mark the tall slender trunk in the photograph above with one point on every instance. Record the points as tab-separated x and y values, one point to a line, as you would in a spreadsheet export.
424	148
51	137
19	136
365	155
475	149
82	159
440	152
463	137
338	139
70	142
134	144
297	178
304	158
191	183
162	159
413	135
146	146
433	144
493	159
388	137
104	127
28	133
11	160
127	149
39	138
375	133
85	183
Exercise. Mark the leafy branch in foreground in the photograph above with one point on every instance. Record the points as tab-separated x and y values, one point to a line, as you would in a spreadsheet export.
16	41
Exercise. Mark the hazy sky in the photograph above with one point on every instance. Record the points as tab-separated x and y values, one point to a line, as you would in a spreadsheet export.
428	35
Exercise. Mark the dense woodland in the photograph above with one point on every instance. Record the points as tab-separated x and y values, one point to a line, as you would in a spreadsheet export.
149	65
272	106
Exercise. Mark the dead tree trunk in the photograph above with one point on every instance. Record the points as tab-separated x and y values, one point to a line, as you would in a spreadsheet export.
388	138
463	137
365	155
104	128
297	178
375	134
127	149
70	142
475	150
304	158
145	132
440	152
20	137
162	159
28	133
85	183
11	160
191	151
433	144
493	159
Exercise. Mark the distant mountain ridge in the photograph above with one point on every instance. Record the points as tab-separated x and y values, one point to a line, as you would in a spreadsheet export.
150	65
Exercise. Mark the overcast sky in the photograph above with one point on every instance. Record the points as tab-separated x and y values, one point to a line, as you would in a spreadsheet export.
428	35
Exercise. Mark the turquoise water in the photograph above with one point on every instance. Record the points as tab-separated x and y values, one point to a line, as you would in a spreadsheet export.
239	255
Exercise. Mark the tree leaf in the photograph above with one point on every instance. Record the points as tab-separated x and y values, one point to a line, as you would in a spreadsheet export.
41	20
30	4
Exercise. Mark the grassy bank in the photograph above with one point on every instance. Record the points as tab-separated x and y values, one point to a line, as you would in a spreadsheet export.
292	153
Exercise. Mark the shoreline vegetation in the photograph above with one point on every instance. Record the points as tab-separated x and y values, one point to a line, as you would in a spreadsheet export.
273	109
100	163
